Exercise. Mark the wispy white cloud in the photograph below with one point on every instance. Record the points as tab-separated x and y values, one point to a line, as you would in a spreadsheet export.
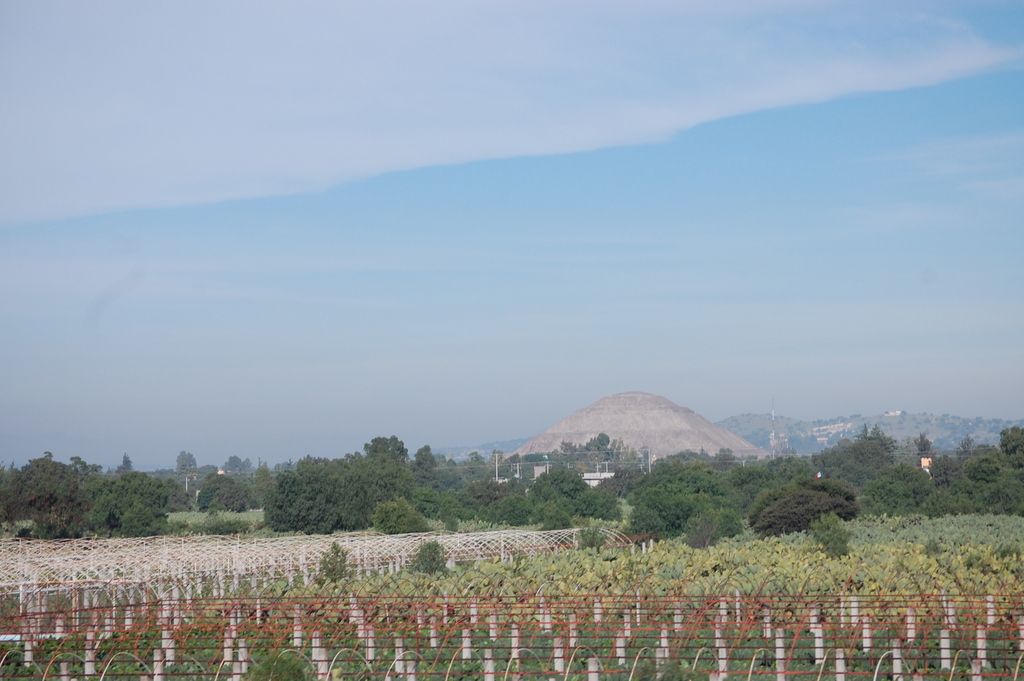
119	105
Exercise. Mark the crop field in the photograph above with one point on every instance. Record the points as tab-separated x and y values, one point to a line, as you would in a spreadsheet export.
902	605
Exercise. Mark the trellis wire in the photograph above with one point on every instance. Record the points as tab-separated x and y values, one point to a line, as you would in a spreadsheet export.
32	561
592	636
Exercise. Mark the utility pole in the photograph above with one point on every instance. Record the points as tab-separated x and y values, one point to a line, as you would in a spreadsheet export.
775	439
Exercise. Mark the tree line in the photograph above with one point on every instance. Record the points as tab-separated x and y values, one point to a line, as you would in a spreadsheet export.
692	495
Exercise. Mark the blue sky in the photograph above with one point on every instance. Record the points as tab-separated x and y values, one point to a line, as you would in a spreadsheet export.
275	231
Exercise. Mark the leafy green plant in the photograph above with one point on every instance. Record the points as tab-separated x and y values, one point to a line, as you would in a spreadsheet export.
279	666
398	517
334	566
828	532
591	538
429	559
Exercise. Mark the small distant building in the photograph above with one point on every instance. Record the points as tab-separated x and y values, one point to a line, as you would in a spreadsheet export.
894	413
540	469
594	479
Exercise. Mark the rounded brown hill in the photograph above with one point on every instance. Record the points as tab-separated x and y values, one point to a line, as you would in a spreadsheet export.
642	420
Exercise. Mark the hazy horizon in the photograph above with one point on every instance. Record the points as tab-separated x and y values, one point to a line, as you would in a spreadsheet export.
282	230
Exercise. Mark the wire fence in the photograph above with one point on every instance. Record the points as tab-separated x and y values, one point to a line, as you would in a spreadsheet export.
79	633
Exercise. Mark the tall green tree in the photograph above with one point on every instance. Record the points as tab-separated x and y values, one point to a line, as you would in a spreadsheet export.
1011	443
185	463
899	490
262	483
793	508
222	492
53	496
130	505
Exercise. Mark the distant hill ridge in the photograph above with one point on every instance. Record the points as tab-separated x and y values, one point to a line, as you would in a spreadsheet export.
807	437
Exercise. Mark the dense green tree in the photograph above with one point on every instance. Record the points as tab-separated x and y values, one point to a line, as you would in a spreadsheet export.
945	471
793	508
559	485
708	527
514	509
966	449
424	466
830	535
748	482
983	470
429	559
390	448
898	490
597	503
322	496
622	482
131	505
923	444
676	491
334	566
857	462
177	498
52	495
482	493
398	517
222	492
185	464
126	465
664	512
1011	443
552	515
10	496
261	485
235	464
369	481
307	499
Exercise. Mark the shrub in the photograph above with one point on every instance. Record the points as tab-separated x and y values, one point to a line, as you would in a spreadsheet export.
429	559
829	533
278	666
334	566
591	538
553	517
708	527
217	523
